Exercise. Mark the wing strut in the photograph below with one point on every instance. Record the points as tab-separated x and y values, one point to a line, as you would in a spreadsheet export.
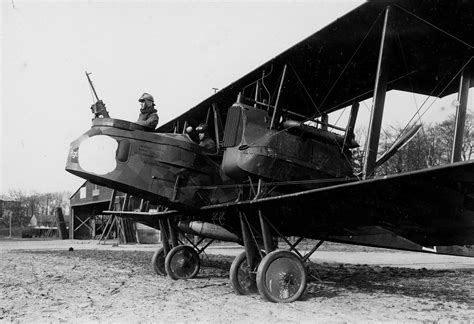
465	81
378	102
349	132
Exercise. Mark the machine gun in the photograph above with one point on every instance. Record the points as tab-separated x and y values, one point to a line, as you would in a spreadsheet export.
98	109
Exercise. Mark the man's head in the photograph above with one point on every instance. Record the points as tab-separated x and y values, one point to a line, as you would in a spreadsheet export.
203	131
146	100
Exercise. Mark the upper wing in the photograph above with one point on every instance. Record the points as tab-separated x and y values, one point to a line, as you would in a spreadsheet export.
431	40
429	207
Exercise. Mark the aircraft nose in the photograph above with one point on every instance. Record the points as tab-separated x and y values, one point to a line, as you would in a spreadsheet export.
95	154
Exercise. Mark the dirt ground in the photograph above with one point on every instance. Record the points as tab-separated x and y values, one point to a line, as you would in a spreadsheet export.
42	281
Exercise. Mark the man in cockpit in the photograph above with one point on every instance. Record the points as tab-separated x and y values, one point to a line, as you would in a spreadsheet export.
205	139
148	116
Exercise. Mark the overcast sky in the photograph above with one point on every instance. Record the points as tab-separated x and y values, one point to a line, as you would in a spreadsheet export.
177	51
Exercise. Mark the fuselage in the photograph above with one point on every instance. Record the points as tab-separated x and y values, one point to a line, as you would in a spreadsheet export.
173	171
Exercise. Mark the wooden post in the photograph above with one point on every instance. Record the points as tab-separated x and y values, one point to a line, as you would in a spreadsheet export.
112	200
378	102
10	214
71	229
61	224
122	223
464	83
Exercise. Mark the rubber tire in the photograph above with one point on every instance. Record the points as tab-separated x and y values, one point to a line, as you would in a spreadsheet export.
176	252
234	277
271	261
158	262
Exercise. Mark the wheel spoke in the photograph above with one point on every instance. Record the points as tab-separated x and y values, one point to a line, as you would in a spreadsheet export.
281	277
182	263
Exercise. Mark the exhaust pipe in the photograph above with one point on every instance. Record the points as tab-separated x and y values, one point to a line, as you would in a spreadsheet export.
208	230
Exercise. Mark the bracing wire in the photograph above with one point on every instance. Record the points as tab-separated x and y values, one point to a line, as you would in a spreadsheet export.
352	57
333	86
450	82
411	88
437	95
340	115
406	67
434	89
318	112
306	90
434	26
383	129
253	235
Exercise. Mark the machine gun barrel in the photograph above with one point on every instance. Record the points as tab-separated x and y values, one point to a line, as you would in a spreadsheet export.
98	109
92	86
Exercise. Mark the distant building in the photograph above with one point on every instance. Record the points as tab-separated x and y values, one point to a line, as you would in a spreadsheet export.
88	220
43	221
87	204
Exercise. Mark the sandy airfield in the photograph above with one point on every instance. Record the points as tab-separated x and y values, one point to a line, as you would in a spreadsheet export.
42	281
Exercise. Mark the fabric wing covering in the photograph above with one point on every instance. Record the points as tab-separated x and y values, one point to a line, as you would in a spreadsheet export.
429	43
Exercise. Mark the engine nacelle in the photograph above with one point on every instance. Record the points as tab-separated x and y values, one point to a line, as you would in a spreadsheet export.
253	149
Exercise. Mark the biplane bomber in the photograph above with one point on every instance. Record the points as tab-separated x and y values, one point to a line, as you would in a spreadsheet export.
282	170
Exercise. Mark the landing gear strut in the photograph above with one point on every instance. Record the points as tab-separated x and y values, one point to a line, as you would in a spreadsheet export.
280	275
174	258
242	276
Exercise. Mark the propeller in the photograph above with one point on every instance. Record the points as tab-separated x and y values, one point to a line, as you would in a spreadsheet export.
398	145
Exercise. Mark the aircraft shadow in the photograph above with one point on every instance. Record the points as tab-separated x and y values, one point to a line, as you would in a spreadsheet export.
338	279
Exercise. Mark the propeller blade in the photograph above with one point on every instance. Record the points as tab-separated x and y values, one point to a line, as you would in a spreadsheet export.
398	145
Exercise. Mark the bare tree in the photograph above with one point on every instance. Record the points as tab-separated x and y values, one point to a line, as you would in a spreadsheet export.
20	215
432	146
29	204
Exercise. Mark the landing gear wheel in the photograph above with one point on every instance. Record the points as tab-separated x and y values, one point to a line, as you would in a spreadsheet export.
182	262
241	276
281	277
158	262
